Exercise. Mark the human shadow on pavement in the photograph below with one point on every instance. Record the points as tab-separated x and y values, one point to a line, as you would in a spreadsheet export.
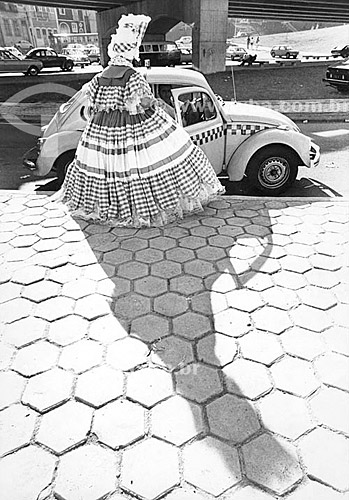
192	293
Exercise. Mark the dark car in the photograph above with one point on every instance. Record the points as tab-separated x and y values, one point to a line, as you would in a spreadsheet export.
94	56
50	58
340	51
9	63
338	76
159	54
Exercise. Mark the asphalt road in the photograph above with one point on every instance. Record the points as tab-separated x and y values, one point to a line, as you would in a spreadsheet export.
329	179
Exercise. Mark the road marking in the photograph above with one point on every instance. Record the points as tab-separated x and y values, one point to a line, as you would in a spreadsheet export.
332	133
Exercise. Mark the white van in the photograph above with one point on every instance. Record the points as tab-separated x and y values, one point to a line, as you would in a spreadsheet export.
241	140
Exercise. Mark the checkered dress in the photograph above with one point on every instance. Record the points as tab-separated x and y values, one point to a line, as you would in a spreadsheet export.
134	166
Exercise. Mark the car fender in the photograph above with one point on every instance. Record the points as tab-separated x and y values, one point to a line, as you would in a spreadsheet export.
239	159
53	147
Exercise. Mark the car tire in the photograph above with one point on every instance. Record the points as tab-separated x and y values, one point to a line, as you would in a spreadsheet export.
32	71
272	54
61	165
287	55
272	169
67	66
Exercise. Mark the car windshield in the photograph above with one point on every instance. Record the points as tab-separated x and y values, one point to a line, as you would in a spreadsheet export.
6	54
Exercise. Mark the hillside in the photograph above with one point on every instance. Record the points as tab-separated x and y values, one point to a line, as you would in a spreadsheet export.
319	41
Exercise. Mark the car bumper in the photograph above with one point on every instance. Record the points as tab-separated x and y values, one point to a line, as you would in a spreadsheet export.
336	82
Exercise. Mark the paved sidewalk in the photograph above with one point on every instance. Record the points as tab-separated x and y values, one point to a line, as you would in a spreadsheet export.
206	360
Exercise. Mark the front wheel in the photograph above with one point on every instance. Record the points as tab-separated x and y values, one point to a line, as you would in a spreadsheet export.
272	54
32	71
61	165
287	55
272	170
67	66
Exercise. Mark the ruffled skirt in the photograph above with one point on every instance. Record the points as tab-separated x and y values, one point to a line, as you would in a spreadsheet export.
137	170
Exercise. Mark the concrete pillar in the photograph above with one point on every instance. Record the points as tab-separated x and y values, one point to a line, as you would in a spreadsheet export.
107	21
209	34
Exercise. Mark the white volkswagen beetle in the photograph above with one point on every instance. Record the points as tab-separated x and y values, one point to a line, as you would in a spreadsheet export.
241	140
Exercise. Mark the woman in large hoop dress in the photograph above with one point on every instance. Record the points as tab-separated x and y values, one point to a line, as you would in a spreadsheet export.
134	165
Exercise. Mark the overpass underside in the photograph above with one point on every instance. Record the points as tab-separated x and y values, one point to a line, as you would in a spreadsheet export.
208	17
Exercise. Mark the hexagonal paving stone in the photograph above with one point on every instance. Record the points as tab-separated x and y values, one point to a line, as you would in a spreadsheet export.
211	465
81	356
132	306
261	346
24	331
119	423
79	288
319	448
149	255
322	278
177	420
35	358
221	282
28	275
294	376
162	243
330	407
12	386
117	256
55	308
311	318
217	349
133	270
244	300
198	382
186	285
280	297
333	370
296	264
285	415
232	418
41	291
271	320
340	315
150	286
107	329
272	462
150	328
248	379
233	323
113	287
199	268
93	306
290	280
48	389
191	325
166	269
250	493
87	472
9	291
337	338
34	463
17	425
148	386
15	309
172	353
150	468
192	242
64	427
209	303
64	274
258	281
99	386
67	330
98	271
185	494
127	353
170	304
303	343
180	254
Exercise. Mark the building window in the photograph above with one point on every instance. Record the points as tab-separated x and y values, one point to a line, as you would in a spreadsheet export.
38	33
7	26
61	12
43	31
74	27
16	28
40	9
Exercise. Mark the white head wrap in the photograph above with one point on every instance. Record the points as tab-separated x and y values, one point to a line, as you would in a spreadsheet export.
128	37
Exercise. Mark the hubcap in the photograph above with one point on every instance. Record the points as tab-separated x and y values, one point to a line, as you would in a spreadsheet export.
274	172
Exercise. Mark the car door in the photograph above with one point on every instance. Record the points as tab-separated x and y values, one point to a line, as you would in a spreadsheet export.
200	116
11	63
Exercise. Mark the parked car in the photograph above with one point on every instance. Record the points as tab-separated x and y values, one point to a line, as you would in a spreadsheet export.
24	46
283	51
15	52
9	63
338	76
242	141
159	53
94	55
236	53
50	58
77	56
340	51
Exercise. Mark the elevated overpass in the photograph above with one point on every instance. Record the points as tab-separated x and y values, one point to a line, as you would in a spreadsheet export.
209	19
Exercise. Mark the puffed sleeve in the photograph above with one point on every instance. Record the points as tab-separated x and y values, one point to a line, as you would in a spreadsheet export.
137	91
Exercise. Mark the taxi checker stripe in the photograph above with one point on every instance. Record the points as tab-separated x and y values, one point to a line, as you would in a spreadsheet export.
245	129
208	135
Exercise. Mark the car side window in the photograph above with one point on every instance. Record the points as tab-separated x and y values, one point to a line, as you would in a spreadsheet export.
196	107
